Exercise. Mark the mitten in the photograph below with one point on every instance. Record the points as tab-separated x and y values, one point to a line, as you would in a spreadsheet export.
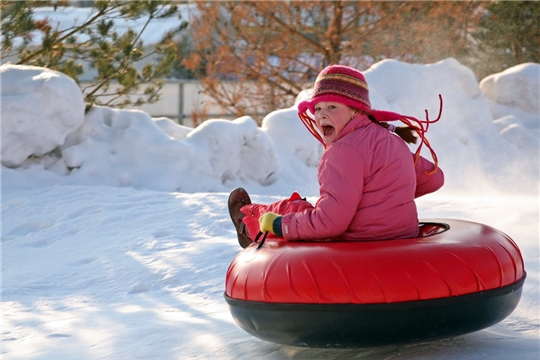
271	222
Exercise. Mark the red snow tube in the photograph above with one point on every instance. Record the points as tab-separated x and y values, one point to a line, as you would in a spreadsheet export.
455	278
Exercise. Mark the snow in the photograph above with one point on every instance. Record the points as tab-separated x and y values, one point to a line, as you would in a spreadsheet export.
514	101
27	93
116	236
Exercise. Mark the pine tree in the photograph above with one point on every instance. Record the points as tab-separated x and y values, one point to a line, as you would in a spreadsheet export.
509	34
95	41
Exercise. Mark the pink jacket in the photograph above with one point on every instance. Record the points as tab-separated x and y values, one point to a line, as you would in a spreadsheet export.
368	183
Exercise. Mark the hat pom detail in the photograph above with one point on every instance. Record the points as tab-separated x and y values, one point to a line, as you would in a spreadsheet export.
304	106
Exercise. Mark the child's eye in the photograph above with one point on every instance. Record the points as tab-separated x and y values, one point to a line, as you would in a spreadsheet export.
318	108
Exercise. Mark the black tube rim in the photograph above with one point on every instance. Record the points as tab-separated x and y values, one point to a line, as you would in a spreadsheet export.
439	302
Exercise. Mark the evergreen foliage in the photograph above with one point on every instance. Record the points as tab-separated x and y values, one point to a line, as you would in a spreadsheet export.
117	58
509	34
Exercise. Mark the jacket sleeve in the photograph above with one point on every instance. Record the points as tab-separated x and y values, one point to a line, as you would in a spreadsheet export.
340	193
426	184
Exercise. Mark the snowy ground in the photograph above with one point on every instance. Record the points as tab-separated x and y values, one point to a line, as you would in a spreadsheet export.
115	245
108	273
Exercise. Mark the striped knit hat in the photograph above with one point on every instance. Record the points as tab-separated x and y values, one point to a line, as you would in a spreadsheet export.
338	83
345	85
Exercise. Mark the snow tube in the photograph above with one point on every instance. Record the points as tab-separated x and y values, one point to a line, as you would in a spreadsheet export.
456	277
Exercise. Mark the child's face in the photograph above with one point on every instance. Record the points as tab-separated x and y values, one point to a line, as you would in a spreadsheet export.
331	118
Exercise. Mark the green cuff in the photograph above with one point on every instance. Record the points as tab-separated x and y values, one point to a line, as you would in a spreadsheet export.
276	226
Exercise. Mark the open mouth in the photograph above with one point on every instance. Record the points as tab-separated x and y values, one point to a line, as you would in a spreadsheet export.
327	130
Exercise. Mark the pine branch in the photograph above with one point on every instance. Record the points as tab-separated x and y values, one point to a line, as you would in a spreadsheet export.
75	30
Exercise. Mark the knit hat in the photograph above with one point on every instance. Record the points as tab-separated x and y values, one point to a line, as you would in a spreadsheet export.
345	85
338	83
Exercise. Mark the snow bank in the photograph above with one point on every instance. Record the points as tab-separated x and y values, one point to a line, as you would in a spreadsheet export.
518	86
514	101
129	148
40	107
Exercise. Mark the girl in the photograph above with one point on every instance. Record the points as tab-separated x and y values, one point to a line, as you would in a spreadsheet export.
368	177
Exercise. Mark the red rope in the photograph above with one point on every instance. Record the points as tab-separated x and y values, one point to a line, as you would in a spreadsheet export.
419	126
310	125
421	129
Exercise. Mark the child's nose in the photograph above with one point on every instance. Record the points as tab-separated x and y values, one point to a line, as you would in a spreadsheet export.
322	114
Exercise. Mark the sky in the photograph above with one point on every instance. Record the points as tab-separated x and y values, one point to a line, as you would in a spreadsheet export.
116	236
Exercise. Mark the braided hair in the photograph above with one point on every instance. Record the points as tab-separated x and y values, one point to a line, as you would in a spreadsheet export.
404	132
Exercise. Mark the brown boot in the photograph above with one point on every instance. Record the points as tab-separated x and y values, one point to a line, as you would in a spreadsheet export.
237	199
